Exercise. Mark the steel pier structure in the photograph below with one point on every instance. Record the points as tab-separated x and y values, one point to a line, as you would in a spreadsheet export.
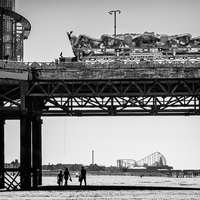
29	91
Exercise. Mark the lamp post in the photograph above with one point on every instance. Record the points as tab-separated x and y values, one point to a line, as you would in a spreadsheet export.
111	12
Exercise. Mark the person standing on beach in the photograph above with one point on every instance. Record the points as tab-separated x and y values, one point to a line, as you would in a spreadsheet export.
60	178
67	176
82	176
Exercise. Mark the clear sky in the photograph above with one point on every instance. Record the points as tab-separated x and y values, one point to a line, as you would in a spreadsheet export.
72	139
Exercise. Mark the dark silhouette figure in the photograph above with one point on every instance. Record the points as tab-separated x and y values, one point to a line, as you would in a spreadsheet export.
61	55
6	57
60	178
82	176
67	176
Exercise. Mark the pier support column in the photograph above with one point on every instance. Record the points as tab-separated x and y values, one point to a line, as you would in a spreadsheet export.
25	151
37	151
2	153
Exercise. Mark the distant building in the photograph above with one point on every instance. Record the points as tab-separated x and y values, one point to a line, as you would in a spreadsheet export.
95	167
60	166
13	164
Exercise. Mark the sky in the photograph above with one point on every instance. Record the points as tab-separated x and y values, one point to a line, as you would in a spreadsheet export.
72	139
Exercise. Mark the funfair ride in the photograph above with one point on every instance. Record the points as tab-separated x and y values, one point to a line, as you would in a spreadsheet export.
133	47
156	159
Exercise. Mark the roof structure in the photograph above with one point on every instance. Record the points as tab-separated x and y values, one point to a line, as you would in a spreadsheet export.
14	29
18	19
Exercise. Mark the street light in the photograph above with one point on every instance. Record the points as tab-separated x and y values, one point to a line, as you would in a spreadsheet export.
111	12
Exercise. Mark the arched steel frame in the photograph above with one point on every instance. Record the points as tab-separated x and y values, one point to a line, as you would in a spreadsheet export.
155	159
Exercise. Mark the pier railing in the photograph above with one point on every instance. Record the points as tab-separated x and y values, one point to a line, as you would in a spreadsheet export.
107	70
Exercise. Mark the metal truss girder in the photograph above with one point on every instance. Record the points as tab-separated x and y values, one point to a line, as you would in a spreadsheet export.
10	97
106	97
86	106
183	84
158	87
118	97
183	112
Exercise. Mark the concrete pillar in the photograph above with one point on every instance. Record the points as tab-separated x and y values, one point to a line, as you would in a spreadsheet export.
2	153
25	151
37	151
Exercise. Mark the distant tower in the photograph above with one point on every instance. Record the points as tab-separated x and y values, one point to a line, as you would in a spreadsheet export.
92	157
14	29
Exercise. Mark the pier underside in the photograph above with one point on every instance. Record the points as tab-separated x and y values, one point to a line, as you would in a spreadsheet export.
114	97
45	91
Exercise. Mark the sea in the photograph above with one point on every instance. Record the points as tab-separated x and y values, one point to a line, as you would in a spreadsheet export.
121	180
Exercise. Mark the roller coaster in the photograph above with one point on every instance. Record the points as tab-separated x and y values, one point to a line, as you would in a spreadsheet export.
155	159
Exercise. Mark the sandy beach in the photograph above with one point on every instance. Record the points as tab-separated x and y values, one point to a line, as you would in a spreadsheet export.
114	194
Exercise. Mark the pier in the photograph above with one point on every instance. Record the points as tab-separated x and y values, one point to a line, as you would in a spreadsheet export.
76	89
136	80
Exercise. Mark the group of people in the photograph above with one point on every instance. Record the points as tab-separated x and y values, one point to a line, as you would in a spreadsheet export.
66	175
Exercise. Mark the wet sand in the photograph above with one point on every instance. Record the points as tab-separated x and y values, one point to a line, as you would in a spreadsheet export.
103	195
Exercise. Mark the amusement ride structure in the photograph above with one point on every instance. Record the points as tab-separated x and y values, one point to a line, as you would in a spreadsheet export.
133	47
123	75
156	159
